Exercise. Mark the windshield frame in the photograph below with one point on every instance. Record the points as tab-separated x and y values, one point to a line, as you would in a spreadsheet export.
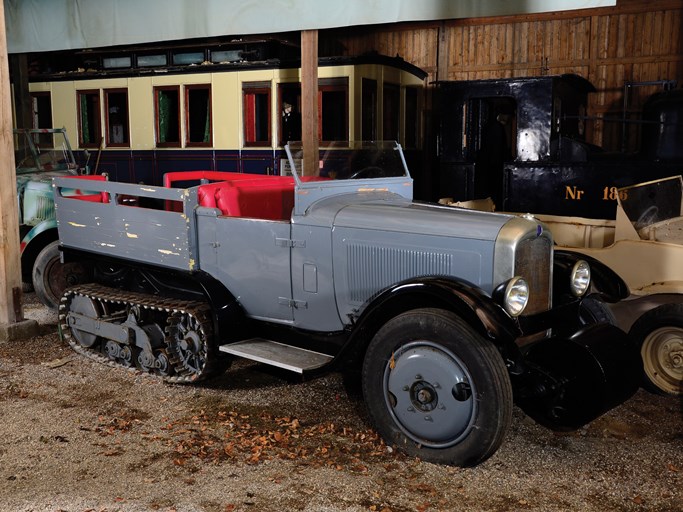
353	160
54	157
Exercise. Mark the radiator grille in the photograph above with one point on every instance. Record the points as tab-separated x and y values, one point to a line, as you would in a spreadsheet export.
370	269
533	261
37	208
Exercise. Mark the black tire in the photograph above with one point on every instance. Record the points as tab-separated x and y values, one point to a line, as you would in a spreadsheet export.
659	334
595	311
51	277
437	390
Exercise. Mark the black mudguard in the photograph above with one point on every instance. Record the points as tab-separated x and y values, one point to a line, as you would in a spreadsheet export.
571	381
605	282
474	306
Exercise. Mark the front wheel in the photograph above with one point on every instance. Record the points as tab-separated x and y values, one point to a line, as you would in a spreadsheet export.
436	389
659	332
51	277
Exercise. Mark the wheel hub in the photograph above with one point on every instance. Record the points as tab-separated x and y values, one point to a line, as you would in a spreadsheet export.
429	394
424	396
662	353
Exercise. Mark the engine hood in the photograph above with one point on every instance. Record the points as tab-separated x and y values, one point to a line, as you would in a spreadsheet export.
402	216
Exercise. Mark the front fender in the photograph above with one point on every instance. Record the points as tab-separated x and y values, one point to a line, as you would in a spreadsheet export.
605	281
465	299
36	230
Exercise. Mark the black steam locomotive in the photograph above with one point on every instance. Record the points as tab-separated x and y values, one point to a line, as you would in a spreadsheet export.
521	141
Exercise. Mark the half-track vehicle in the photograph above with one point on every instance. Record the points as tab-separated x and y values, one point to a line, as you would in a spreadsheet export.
447	316
40	155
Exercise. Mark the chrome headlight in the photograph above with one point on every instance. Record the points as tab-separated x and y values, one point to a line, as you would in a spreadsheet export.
580	278
516	296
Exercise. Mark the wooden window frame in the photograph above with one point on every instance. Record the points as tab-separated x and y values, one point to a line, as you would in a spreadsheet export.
126	143
34	97
157	90
97	118
188	90
248	113
333	85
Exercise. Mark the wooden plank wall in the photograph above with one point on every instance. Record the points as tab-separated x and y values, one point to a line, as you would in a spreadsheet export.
635	41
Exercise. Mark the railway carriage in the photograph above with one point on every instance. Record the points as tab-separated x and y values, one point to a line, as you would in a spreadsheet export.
222	106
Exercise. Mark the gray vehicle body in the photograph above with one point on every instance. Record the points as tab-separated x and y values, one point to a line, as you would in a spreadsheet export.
319	269
363	244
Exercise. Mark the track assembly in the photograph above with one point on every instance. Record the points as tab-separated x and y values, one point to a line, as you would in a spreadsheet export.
170	338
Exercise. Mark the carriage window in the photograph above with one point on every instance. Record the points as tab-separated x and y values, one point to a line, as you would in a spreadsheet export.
198	115
41	113
219	56
333	110
390	112
116	114
185	58
152	60
89	129
412	118
256	114
491	129
116	62
369	110
167	114
290	112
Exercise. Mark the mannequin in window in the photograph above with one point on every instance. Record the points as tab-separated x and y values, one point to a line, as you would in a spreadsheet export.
291	123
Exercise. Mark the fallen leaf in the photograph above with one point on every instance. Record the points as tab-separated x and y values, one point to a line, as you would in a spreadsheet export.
56	363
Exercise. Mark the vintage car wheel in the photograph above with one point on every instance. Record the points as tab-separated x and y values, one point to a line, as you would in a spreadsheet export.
435	389
660	335
51	277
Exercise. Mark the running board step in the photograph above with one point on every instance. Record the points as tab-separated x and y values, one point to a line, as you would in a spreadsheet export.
277	354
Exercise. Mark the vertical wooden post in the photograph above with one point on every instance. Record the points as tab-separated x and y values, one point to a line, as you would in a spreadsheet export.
309	101
10	269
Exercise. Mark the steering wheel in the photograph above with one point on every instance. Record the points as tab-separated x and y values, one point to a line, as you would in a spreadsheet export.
368	172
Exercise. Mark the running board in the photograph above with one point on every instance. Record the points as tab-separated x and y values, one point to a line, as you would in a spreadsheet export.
277	354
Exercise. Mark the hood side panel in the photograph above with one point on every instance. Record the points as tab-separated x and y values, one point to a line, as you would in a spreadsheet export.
368	261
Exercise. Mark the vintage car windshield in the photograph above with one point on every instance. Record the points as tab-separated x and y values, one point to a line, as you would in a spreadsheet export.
42	151
351	160
649	203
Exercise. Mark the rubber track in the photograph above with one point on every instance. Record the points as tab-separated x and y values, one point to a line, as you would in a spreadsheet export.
174	309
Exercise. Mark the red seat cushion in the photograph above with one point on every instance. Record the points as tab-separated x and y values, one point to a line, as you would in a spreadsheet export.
260	199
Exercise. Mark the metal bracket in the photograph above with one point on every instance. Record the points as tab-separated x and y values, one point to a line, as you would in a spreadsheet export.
291	303
287	242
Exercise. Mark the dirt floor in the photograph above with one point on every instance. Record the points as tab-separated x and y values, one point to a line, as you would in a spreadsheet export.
80	436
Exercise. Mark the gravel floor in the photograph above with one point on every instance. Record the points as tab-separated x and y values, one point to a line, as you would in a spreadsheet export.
79	436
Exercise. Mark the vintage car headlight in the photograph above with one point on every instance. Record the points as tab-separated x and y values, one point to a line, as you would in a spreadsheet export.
580	278
515	296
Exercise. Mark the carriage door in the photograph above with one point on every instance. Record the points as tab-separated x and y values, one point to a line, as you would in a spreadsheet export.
490	142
